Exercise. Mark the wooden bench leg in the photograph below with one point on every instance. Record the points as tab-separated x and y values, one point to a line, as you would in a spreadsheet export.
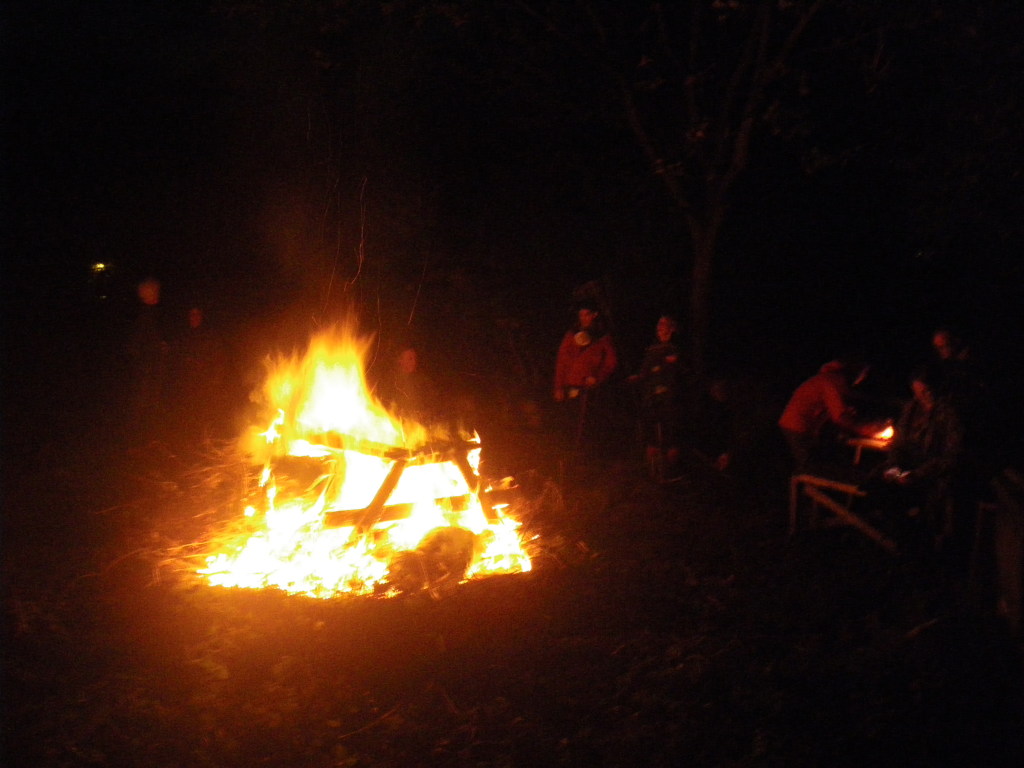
794	502
851	518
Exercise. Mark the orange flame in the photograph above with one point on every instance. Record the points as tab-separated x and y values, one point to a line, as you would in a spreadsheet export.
370	489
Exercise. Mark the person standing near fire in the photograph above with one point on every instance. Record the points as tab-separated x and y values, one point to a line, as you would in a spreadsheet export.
821	408
585	361
960	375
199	386
408	390
147	359
663	381
924	469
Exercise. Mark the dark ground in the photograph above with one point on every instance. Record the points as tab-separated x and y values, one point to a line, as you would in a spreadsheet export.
662	625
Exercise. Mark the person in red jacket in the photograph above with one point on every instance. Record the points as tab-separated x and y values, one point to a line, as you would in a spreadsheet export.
820	403
586	359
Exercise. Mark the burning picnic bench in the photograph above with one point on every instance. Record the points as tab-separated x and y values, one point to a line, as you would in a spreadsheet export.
350	498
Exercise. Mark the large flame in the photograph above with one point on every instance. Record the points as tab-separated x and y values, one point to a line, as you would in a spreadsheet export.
348	492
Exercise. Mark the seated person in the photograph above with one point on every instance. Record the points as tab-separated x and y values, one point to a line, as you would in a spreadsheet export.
926	451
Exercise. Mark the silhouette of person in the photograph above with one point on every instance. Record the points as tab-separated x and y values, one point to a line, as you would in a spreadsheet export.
408	390
586	359
147	352
821	408
199	383
662	379
921	470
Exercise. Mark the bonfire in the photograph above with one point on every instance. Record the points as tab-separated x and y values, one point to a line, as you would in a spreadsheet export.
353	499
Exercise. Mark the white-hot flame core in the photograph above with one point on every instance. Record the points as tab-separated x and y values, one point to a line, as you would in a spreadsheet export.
318	407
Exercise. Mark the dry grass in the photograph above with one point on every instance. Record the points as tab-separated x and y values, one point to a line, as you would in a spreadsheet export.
660	625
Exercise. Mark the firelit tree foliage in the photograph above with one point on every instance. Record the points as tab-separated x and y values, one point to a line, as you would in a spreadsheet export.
702	89
695	84
955	138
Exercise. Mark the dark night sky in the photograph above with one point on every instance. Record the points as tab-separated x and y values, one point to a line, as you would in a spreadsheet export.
160	139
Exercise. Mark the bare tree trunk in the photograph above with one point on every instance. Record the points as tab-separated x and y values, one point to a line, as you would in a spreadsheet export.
699	167
704	239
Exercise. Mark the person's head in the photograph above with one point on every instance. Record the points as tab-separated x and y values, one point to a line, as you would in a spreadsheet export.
587	316
408	360
924	383
948	344
719	390
149	292
665	329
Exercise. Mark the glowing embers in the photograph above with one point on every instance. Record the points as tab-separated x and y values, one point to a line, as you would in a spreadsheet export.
352	500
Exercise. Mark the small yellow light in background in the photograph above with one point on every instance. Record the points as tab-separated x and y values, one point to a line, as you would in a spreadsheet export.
98	267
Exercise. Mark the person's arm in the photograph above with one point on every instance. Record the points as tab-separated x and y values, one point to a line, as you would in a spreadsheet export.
562	367
899	451
946	454
609	361
645	369
841	413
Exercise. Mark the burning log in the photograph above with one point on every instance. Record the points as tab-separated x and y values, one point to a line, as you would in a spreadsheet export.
440	560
